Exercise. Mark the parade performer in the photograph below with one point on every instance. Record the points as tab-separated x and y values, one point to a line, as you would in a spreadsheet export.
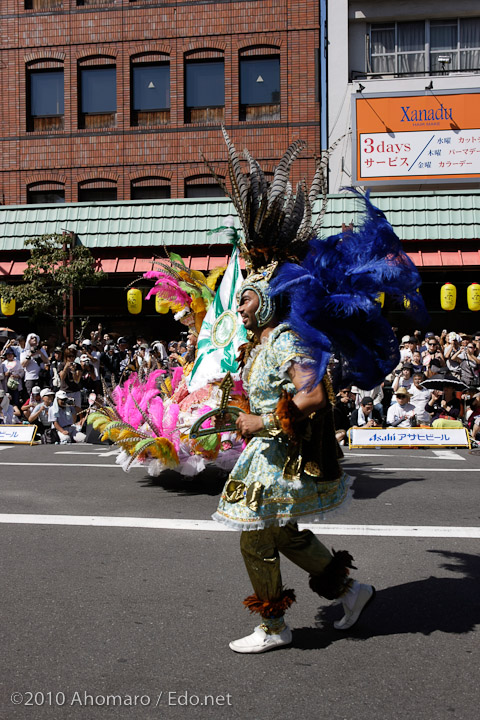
302	300
150	415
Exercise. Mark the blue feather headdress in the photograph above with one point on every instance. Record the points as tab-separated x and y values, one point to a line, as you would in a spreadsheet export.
333	298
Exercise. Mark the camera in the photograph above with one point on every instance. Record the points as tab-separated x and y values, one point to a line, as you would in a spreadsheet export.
69	401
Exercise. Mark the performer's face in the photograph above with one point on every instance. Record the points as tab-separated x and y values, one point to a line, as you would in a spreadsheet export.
248	306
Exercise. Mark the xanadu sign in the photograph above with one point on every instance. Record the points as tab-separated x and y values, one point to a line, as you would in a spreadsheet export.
420	136
408	437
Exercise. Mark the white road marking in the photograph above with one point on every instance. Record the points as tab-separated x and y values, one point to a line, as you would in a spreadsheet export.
5	447
447	455
101	453
70	465
432	531
440	455
407	469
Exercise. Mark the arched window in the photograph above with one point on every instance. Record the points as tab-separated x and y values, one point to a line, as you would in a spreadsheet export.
204	86
97	191
150	188
45	192
97	92
202	186
150	89
44	95
259	70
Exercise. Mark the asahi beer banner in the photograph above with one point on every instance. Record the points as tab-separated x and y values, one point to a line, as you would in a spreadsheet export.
405	138
408	437
17	434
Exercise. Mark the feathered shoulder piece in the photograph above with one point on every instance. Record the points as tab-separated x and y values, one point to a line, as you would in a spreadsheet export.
334	303
188	293
277	223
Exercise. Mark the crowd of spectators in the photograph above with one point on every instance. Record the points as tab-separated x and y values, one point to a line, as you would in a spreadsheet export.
54	387
452	359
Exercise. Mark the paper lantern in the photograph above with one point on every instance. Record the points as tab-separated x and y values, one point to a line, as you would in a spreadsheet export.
381	299
134	301
473	297
8	306
448	296
161	305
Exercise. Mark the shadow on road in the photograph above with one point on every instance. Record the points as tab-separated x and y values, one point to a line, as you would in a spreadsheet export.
448	605
209	482
368	487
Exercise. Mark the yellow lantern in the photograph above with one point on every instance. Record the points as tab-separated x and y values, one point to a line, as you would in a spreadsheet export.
473	297
8	306
448	296
161	305
381	299
134	301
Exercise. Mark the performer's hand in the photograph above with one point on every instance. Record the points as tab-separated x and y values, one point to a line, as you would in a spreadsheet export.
248	425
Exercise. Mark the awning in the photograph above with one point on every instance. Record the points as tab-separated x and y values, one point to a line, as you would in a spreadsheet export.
445	258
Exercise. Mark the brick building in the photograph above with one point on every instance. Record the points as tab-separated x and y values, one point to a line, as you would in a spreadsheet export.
106	100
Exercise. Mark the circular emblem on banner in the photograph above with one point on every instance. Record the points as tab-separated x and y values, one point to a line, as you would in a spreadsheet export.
224	329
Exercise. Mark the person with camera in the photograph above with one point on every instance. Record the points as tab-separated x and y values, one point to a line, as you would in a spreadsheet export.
88	381
9	413
433	358
465	363
401	413
13	374
70	378
62	416
33	360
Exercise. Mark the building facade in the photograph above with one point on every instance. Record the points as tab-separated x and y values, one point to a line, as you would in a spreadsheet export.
111	100
403	106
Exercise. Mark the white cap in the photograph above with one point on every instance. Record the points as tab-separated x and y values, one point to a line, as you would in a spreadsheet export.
47	391
84	358
36	389
86	342
61	395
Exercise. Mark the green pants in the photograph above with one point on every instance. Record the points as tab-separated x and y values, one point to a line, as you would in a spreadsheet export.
261	548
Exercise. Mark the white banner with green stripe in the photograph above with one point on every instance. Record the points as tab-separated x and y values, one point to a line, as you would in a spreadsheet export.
221	333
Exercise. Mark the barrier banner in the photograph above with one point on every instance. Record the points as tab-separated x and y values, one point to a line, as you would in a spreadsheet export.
408	437
17	434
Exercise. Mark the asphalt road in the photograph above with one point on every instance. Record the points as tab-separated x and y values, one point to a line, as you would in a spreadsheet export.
134	622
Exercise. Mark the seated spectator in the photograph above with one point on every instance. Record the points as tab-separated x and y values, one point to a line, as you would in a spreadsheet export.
417	363
344	406
419	397
39	414
366	415
444	404
9	414
376	394
401	413
433	358
409	345
403	377
62	417
473	416
32	402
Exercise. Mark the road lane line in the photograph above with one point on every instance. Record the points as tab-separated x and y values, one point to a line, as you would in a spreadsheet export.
447	455
451	456
432	531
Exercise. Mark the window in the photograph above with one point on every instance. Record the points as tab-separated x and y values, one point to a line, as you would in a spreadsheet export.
204	91
430	46
43	4
41	193
150	93
260	88
45	105
98	97
202	186
97	191
150	189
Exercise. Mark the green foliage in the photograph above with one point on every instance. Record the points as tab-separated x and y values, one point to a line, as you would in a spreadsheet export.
56	268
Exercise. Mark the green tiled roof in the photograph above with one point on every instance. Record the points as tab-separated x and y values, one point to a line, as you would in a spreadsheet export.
436	215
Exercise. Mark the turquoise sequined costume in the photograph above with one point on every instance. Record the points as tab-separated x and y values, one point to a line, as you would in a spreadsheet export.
258	494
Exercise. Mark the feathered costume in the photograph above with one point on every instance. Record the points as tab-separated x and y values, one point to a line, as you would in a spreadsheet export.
150	415
327	291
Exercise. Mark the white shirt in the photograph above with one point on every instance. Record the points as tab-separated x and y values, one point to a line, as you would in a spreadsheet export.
400	413
419	399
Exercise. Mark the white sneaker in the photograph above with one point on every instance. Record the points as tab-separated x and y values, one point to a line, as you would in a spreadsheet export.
259	641
354	603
